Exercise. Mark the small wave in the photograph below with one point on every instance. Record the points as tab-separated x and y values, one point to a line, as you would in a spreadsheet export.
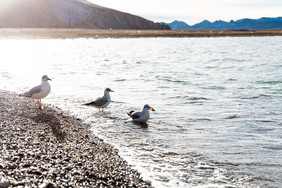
220	164
273	147
258	164
271	82
163	87
232	79
203	119
251	97
120	80
188	98
255	97
176	81
200	74
205	167
170	154
227	60
264	95
262	130
265	121
232	117
197	98
168	79
214	88
194	102
234	153
212	67
234	60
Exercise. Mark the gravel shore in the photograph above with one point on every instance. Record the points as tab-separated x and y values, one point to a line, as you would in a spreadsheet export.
50	149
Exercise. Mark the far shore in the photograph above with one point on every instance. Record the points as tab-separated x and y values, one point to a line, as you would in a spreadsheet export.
32	33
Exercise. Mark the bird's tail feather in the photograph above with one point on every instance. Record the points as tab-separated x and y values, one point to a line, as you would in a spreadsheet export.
130	113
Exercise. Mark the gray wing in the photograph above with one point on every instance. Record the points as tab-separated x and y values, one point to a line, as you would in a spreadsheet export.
136	115
34	90
98	102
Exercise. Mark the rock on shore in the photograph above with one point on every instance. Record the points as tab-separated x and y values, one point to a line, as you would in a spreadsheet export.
49	149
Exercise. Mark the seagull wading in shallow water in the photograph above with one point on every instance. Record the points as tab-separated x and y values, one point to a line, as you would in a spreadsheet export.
143	116
102	102
40	91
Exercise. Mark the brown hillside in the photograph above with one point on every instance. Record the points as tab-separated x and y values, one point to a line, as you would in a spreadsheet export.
67	14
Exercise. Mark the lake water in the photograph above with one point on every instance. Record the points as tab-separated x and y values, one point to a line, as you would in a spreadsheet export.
218	102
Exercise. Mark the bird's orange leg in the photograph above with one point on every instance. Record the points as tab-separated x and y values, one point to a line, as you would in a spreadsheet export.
39	104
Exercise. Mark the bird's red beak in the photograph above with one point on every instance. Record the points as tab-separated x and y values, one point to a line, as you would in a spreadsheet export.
112	91
49	79
152	109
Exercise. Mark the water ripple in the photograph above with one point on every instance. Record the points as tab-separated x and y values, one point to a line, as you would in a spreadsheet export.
218	114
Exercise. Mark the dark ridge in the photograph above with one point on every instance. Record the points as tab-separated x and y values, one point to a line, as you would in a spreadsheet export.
68	14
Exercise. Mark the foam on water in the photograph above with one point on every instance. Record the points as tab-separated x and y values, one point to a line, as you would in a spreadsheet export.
218	102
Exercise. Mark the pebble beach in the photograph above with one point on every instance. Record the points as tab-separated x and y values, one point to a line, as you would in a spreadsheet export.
47	148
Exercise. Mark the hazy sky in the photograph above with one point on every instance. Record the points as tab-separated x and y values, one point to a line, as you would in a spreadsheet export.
194	11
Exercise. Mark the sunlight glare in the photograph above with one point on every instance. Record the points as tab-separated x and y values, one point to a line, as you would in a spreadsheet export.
4	4
19	58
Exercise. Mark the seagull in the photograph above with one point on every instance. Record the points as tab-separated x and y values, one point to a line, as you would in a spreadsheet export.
40	91
143	116
102	102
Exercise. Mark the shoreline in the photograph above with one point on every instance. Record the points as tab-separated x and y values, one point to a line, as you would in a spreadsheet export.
55	33
48	148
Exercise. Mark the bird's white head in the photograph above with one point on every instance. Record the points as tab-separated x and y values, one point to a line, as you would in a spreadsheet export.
149	107
45	78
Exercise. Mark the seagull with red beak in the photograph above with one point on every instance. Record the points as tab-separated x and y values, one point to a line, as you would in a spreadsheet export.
141	117
39	92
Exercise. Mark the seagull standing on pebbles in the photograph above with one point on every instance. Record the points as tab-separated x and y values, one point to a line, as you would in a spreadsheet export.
39	92
141	117
102	102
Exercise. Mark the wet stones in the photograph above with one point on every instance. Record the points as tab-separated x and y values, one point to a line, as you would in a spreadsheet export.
4	184
48	149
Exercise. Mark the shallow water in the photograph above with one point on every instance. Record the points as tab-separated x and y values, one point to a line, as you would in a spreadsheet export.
218	118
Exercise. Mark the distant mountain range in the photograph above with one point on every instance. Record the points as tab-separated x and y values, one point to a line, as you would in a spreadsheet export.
243	24
68	14
83	14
